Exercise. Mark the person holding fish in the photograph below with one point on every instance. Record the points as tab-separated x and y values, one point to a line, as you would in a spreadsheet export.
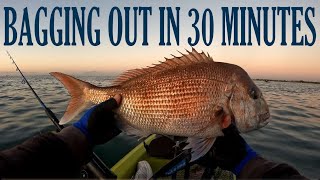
189	96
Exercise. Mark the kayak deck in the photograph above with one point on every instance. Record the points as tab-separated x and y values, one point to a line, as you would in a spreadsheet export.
125	168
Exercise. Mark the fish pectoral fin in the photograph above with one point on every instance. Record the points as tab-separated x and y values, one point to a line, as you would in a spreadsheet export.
199	147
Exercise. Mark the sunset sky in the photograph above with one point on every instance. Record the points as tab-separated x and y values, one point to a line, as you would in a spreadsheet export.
276	62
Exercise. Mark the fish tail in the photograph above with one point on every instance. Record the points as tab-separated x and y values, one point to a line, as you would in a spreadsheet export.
77	90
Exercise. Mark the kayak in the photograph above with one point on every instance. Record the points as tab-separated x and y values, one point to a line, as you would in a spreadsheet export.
125	168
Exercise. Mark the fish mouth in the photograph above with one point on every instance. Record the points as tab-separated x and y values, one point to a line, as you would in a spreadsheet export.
263	119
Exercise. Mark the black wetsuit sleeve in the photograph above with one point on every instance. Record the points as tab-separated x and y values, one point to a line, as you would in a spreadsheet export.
49	155
261	168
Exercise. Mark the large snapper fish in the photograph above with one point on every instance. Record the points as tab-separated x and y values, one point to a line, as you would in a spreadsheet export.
190	96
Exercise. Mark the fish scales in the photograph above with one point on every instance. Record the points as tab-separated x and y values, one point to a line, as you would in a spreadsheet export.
174	104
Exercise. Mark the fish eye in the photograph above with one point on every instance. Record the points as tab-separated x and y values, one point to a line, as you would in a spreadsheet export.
253	94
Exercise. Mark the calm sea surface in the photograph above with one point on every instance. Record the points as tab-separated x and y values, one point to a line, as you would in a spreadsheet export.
292	136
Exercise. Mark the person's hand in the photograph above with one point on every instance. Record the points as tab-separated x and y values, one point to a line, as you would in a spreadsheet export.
231	152
98	123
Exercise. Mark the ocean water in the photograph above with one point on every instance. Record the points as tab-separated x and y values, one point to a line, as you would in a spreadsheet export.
292	136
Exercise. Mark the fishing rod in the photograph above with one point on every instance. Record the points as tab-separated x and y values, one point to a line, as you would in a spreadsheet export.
96	166
49	113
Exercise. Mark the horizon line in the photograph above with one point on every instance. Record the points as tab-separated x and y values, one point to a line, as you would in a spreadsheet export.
115	74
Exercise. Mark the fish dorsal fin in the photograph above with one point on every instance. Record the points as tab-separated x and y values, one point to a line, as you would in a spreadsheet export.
192	57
